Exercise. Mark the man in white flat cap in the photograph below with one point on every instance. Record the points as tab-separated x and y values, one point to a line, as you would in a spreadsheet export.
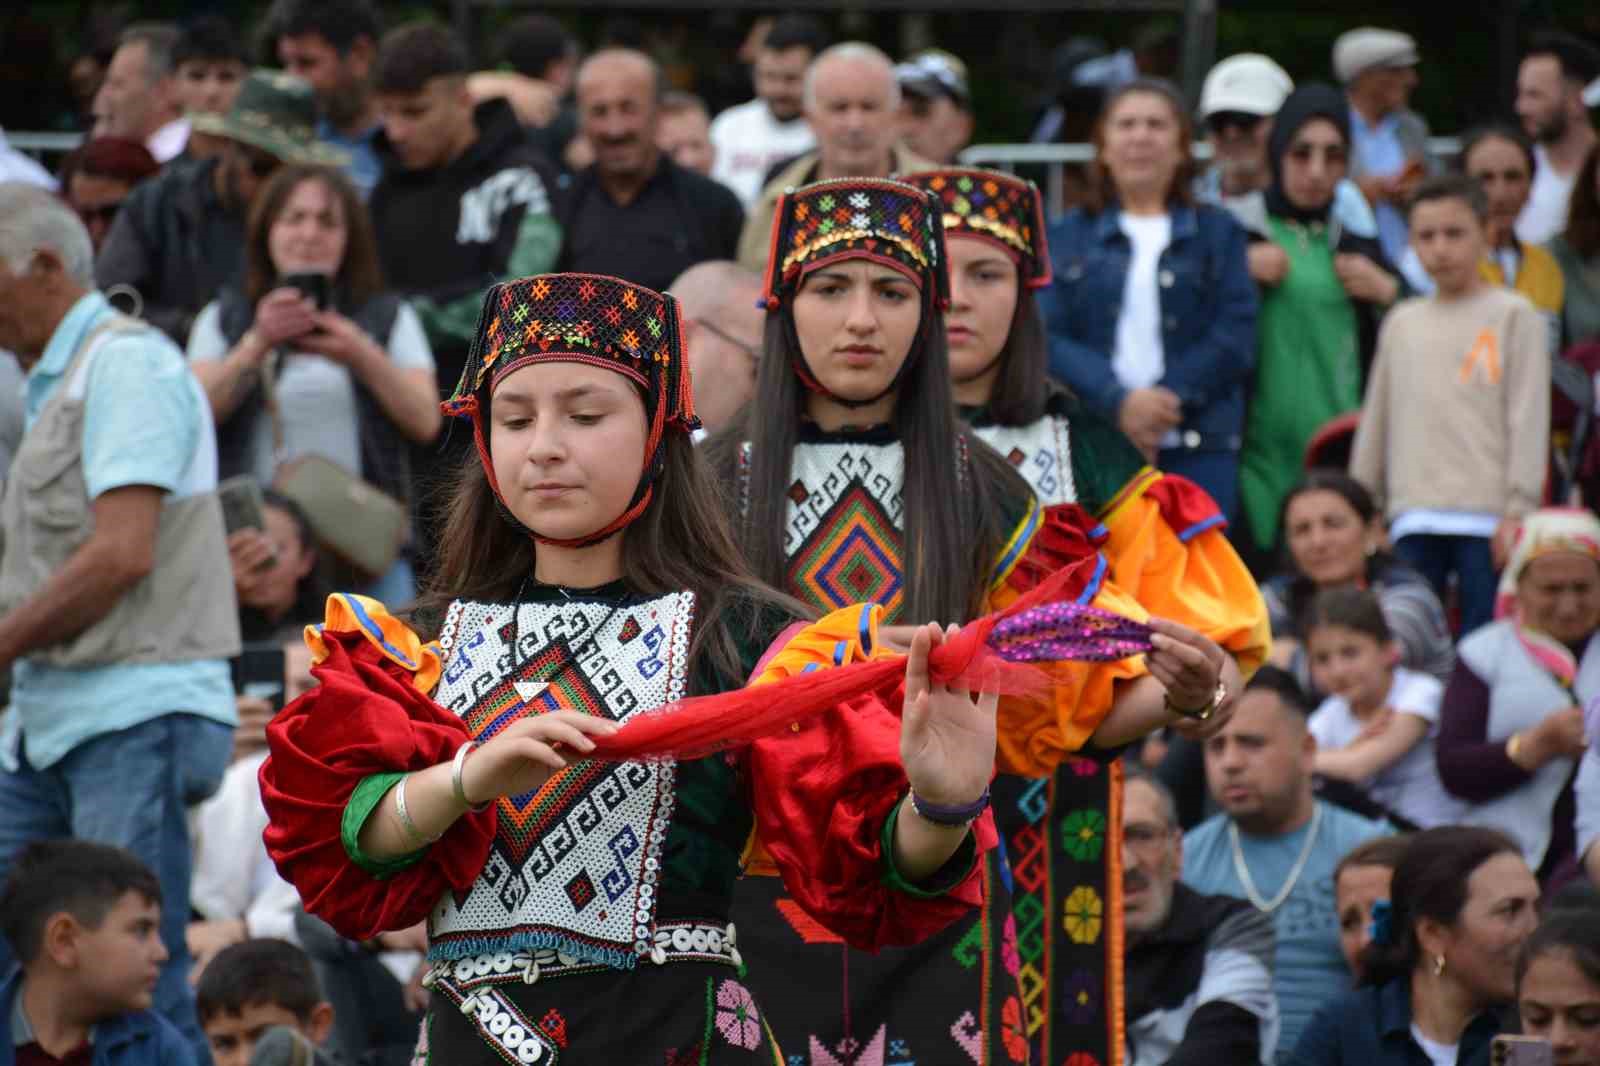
1378	70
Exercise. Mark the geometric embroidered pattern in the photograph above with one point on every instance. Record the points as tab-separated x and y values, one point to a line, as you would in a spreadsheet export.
843	538
574	864
1042	453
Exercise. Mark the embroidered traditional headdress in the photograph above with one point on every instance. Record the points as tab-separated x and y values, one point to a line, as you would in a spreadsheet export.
888	222
1001	208
581	318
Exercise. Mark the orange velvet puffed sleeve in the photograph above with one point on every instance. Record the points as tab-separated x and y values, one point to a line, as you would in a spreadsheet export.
369	716
823	793
1167	545
1036	736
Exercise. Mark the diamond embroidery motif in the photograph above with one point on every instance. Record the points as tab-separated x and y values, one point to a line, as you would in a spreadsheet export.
581	891
855	558
630	629
797	492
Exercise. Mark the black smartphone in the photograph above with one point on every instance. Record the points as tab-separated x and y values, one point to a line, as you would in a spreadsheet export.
258	672
314	287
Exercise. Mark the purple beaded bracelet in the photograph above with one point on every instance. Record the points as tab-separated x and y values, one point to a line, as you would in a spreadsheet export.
955	817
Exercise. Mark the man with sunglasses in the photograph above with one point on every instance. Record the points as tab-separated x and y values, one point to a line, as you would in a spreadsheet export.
180	236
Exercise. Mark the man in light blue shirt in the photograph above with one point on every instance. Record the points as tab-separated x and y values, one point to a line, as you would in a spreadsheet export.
1389	142
1275	844
117	613
331	45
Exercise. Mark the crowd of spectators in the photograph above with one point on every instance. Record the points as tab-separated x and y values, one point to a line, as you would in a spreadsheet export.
1381	364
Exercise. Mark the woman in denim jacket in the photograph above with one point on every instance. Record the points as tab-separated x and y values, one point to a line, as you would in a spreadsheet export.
1152	312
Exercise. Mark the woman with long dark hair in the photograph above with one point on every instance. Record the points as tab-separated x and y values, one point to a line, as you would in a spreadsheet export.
1558	984
1442	958
852	477
579	905
1163	537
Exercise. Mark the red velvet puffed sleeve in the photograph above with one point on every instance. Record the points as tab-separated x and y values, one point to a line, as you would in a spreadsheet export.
823	791
368	715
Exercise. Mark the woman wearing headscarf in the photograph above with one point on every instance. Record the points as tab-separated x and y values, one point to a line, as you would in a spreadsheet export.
1511	723
1322	292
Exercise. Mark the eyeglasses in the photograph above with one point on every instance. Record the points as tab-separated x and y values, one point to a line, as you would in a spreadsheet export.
106	213
752	350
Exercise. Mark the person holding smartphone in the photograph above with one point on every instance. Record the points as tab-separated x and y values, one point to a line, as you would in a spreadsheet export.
314	349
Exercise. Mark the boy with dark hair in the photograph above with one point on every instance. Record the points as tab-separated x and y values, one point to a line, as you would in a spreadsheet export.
464	202
332	44
84	920
1455	431
211	63
259	1002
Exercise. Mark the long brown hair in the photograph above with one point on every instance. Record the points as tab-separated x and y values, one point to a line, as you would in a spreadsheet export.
1102	190
359	278
681	541
954	527
1583	210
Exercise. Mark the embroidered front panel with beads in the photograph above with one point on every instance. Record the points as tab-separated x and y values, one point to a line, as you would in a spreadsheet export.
844	538
575	865
1042	453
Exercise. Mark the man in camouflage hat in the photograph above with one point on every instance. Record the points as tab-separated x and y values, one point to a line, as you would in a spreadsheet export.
180	235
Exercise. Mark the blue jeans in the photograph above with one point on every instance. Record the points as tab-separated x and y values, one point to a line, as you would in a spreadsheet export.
1436	556
131	789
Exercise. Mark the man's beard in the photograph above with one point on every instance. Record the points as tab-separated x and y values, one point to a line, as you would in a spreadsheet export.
343	106
1552	130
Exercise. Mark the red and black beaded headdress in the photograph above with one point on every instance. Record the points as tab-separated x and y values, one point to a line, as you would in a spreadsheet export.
1000	208
886	221
581	318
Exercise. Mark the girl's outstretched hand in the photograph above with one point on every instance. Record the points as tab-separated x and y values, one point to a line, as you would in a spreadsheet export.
947	737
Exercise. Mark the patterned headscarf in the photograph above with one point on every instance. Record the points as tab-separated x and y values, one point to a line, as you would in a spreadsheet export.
1551	531
1003	209
580	318
888	222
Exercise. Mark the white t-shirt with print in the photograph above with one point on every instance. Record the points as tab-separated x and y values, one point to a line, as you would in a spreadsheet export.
1409	787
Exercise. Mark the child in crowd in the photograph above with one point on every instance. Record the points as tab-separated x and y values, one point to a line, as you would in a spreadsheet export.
1376	729
1455	432
84	919
260	1005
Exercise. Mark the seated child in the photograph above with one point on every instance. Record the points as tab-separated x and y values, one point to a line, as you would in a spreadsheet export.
1375	731
260	993
84	921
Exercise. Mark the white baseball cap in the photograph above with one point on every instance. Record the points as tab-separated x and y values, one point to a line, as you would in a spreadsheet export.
1248	82
1367	48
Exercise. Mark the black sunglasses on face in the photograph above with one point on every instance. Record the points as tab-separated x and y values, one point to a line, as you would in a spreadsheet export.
1232	121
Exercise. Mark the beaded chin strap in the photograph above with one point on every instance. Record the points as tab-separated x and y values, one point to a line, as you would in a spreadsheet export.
580	318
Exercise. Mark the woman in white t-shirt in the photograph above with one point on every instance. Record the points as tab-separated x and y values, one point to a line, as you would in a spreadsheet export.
351	375
1151	310
1375	730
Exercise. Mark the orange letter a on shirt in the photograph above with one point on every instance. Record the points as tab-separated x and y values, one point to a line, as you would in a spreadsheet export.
1485	355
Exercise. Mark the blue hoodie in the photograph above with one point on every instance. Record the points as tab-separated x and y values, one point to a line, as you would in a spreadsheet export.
138	1038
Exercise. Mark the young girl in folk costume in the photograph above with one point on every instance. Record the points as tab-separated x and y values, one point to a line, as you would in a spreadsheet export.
853	480
578	907
1162	538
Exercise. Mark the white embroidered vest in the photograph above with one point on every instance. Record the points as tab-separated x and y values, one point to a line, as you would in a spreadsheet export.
574	866
1042	453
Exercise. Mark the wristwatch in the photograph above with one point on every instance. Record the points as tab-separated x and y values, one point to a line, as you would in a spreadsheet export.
1200	714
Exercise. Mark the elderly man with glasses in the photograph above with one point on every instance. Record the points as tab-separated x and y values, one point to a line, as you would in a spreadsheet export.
722	335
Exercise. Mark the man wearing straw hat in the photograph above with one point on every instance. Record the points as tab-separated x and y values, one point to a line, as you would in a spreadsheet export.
179	237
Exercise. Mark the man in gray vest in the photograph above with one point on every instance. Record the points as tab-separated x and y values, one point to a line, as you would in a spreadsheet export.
117	613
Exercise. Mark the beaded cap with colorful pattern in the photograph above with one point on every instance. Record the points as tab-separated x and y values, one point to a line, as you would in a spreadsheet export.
887	221
1001	208
583	318
580	318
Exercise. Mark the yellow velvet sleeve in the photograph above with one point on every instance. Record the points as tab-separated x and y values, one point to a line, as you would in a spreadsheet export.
348	613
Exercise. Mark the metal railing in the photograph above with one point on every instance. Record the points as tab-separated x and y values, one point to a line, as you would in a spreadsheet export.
1056	157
